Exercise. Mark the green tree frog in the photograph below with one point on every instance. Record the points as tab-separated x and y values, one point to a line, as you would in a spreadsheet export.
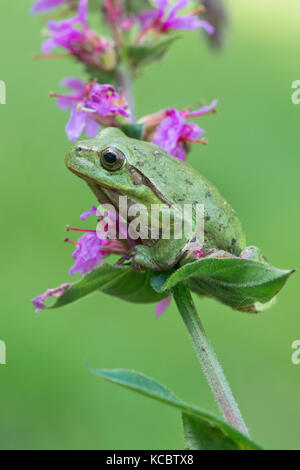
115	165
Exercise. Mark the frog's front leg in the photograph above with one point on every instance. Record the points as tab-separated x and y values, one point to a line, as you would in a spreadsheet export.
163	255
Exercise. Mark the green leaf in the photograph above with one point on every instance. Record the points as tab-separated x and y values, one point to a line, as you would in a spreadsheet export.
145	53
198	435
204	430
233	281
135	131
102	76
118	281
133	287
137	6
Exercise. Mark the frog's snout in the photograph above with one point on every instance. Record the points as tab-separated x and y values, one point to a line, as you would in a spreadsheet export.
70	159
73	157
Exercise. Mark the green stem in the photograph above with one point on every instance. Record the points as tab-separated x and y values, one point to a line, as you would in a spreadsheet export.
125	83
208	360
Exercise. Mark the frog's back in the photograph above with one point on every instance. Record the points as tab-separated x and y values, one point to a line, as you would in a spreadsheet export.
177	183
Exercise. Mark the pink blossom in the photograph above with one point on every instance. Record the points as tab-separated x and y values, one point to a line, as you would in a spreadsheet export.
39	302
65	33
165	18
92	211
174	130
75	35
43	6
93	246
89	104
89	253
116	15
162	306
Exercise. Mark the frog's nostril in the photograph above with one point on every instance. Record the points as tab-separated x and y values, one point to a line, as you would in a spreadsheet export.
79	149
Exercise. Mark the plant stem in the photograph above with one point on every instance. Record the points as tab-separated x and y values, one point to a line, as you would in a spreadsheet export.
208	360
125	83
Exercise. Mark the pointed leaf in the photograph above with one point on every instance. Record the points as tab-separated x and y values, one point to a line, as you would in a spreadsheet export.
212	427
118	281
199	435
234	281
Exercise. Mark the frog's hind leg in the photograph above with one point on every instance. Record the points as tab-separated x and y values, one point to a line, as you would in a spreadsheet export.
160	257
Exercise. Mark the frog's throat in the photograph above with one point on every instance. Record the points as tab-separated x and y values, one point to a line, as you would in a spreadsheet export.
106	195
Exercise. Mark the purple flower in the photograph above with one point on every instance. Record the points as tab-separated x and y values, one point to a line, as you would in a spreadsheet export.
162	306
39	302
89	253
204	110
174	131
106	101
93	247
90	104
115	15
165	18
43	6
65	33
79	120
92	211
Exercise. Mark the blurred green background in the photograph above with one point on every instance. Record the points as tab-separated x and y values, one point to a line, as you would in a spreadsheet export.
48	398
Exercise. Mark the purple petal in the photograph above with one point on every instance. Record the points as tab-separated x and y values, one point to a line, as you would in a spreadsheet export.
169	131
82	13
204	109
76	124
92	128
89	253
178	6
163	4
92	211
191	131
207	26
39	302
148	17
43	6
48	45
76	85
106	101
162	306
188	22
61	26
64	103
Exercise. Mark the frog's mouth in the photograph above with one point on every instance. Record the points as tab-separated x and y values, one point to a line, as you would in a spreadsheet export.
107	195
103	193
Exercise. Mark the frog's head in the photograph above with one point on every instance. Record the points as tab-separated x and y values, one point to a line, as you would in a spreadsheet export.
112	165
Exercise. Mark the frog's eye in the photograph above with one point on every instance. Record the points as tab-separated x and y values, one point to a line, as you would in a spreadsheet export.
112	159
